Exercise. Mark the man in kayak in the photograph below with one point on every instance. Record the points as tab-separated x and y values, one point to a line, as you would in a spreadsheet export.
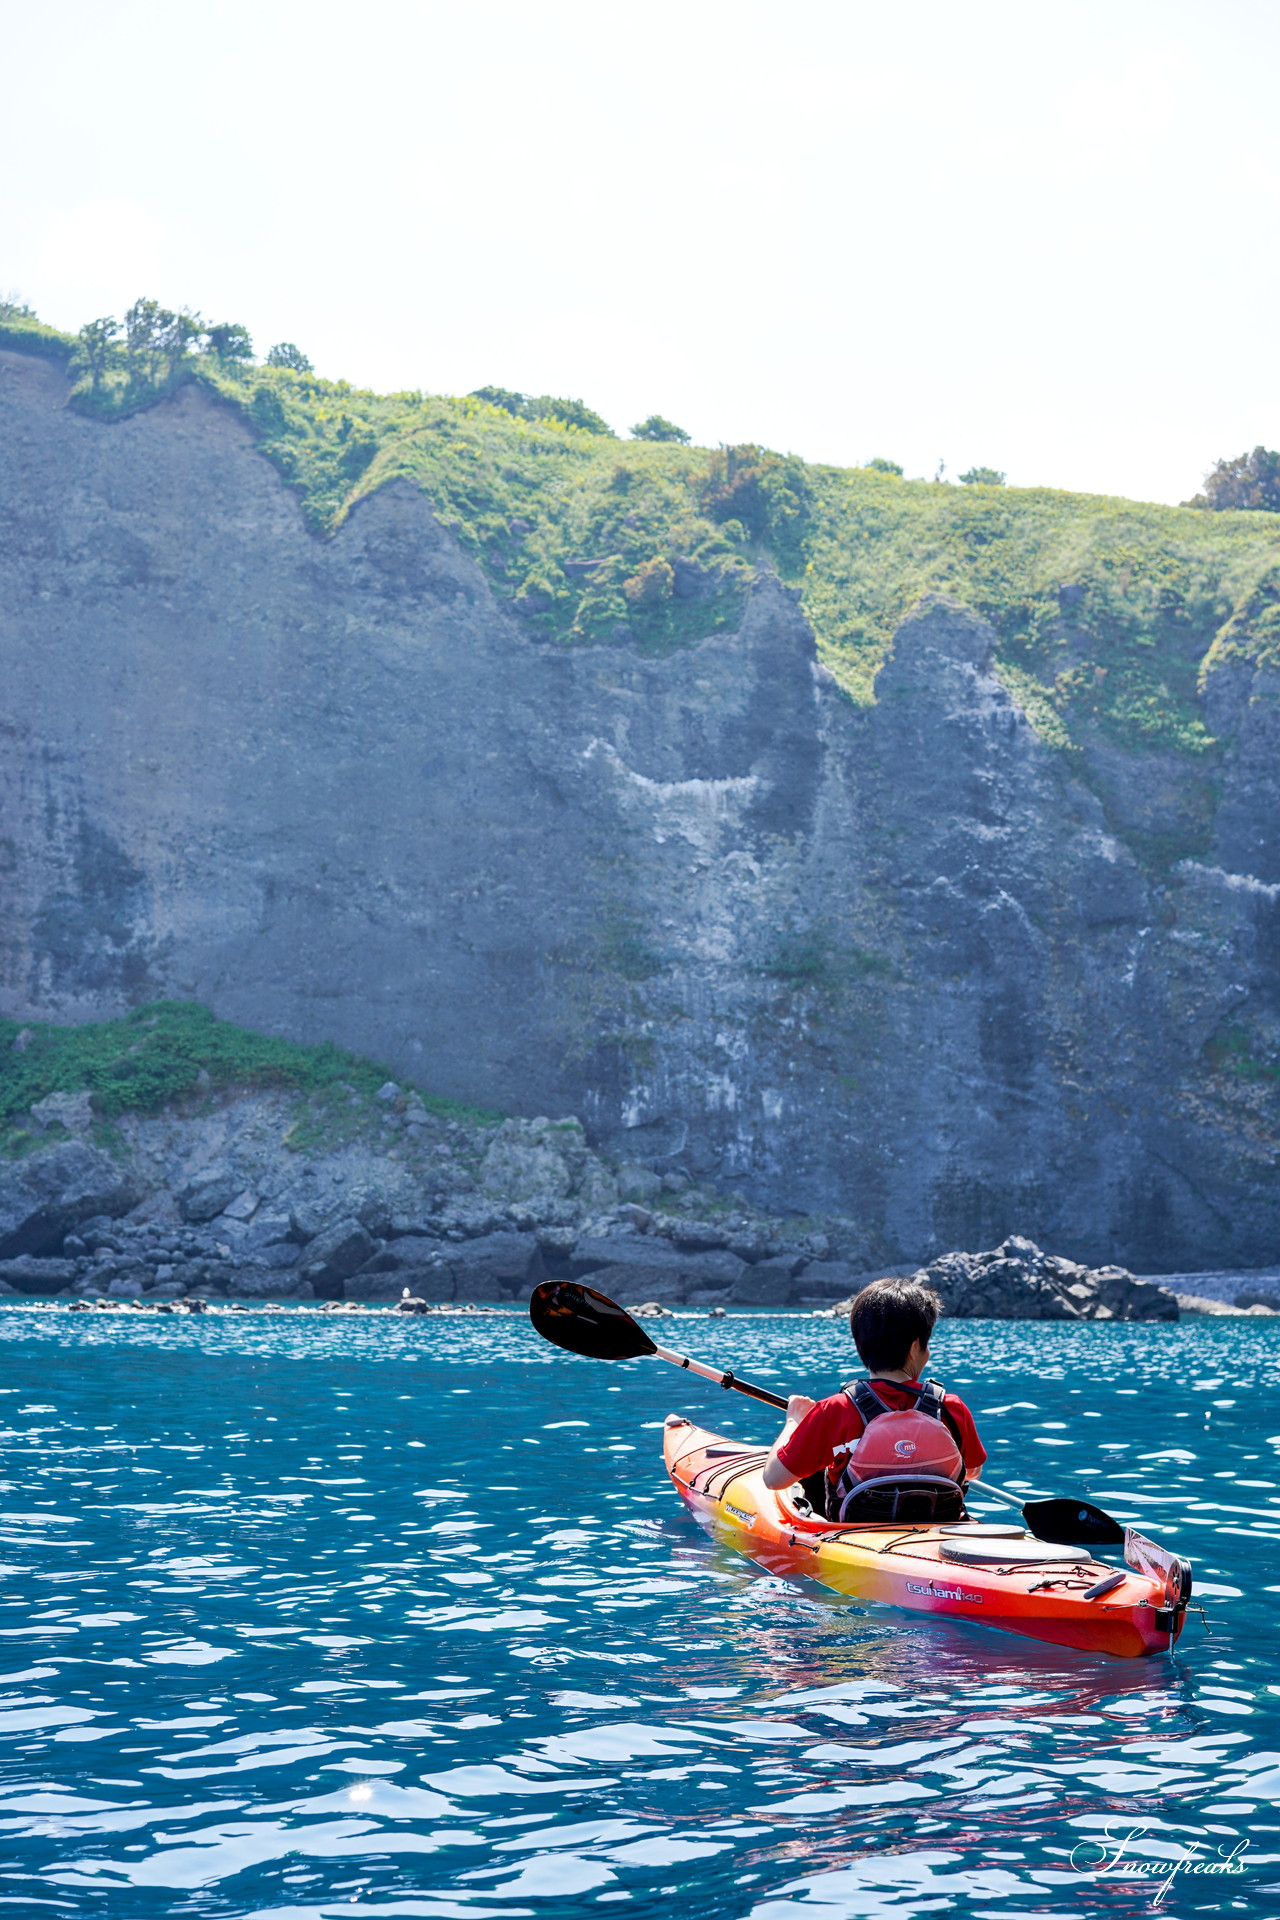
926	1431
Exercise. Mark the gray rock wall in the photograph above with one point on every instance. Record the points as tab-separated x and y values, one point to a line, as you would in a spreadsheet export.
895	963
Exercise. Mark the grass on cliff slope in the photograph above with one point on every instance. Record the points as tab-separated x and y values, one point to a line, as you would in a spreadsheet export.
169	1051
1108	612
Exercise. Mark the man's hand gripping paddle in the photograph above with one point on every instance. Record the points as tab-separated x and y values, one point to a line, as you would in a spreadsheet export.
585	1322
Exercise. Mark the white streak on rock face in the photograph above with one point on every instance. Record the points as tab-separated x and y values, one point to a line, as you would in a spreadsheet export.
1135	954
720	1095
1231	882
697	811
698	824
772	1103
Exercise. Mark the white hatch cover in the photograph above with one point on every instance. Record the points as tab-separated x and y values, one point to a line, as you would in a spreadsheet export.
1011	1553
981	1530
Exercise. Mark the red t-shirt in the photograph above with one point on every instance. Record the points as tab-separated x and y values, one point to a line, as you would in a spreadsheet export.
835	1421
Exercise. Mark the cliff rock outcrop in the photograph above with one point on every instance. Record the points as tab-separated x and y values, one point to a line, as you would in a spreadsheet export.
218	1202
902	962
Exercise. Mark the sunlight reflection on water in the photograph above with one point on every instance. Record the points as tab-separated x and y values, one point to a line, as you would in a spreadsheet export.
313	1615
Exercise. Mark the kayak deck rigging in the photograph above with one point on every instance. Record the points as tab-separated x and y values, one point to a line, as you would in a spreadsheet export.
1022	1585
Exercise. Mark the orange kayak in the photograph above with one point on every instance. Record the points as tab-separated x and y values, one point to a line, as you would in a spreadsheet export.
969	1570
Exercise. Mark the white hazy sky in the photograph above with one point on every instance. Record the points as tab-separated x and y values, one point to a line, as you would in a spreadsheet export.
1041	237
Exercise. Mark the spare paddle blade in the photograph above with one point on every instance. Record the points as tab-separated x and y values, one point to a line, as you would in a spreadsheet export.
1072	1523
583	1321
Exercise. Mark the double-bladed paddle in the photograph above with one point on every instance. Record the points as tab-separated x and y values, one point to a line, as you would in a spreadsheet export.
585	1322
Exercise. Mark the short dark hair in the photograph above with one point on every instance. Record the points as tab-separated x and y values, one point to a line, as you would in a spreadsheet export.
887	1317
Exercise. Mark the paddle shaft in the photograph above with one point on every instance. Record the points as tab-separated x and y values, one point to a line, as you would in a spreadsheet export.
1022	1500
1047	1517
721	1379
998	1493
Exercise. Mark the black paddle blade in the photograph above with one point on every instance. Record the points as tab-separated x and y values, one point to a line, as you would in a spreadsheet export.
1072	1523
583	1321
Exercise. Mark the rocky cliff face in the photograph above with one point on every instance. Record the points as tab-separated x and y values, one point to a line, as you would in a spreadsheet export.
903	963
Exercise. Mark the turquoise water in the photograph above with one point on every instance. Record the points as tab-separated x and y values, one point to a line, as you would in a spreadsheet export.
313	1616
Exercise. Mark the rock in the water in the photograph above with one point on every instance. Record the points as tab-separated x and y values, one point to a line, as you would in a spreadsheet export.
49	1194
422	1283
1016	1281
492	1267
1199	1303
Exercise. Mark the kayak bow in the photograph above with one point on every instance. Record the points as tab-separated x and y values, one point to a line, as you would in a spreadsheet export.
967	1570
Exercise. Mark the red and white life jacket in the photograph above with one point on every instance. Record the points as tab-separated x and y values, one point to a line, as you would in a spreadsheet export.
918	1444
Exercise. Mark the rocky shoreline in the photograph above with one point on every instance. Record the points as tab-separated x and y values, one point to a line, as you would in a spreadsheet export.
246	1200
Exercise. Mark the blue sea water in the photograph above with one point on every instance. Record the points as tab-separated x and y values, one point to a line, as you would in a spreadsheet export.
308	1616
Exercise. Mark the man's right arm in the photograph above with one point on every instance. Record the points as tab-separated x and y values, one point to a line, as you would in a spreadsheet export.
775	1475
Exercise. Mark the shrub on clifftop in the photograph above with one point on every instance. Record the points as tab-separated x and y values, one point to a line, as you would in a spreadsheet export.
1249	483
658	428
164	1052
285	354
1109	614
545	406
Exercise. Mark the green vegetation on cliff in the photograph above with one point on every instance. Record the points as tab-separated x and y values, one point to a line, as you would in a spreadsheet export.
1107	611
172	1050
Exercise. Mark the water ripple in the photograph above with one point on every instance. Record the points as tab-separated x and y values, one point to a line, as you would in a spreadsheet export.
306	1616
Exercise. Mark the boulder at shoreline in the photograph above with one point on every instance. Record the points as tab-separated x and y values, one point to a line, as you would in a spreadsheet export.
1016	1281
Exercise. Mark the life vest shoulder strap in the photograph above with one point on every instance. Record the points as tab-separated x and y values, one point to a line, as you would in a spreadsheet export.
865	1399
931	1399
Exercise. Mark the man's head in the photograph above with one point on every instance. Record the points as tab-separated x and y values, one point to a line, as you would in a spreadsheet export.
888	1317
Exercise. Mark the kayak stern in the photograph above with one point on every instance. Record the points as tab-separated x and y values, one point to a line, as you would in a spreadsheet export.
904	1565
